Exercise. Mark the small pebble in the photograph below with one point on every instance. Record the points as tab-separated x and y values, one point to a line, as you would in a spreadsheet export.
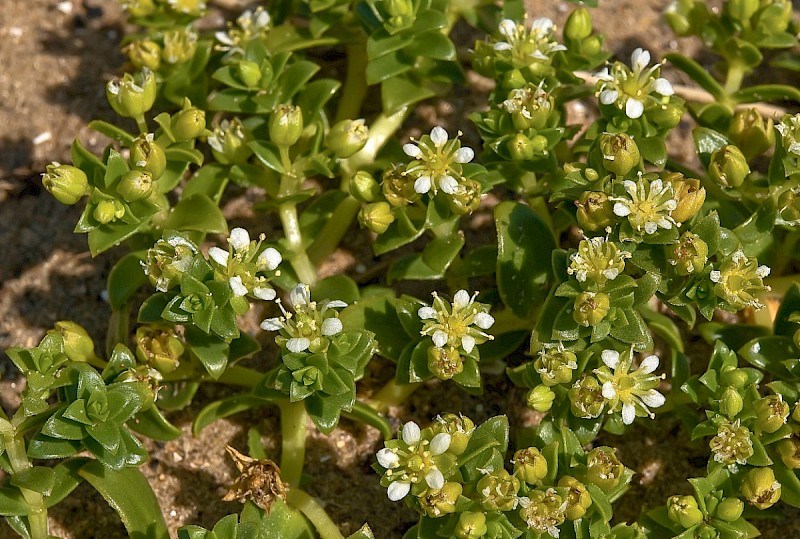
65	7
41	138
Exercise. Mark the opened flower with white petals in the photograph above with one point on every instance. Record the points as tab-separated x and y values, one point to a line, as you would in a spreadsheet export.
252	24
460	324
525	45
739	281
648	206
597	261
311	324
437	162
632	392
632	90
241	266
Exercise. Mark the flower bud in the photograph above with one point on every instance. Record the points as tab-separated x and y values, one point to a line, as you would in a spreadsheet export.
460	429
789	206
520	147
133	95
540	398
188	124
595	211
688	194
438	502
139	8
591	308
774	17
586	397
398	188
789	451
363	187
603	468
796	413
591	46
148	155
471	526
249	73
135	185
376	216
751	132
733	376
68	184
731	403
555	365
159	347
578	25
401	13
689	255
578	498
78	345
444	363
179	46
108	210
760	488
741	10
728	166
530	465
229	143
730	509
771	412
666	115
286	125
497	491
167	261
467	199
620	153
683	510
347	137
543	511
145	53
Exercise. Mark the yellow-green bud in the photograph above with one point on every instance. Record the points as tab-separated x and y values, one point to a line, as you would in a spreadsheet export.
139	8
188	124
619	152
683	510
751	132
78	345
731	402
688	194
466	200
789	205
789	451
145	53
543	512
760	488
689	255
774	17
444	363
595	211
249	73
471	526
439	502
398	188
666	115
728	167
135	185
376	216
229	143
133	95
603	468
530	465
796	413
347	137
286	125
733	376
591	46
540	398
460	429
68	184
108	210
148	155
363	187
586	397
578	25
591	308
771	412
521	148
159	347
179	46
498	491
732	443
578	498
741	10
730	509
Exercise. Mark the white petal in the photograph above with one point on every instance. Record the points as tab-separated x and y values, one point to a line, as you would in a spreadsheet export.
628	413
649	364
272	324
650	227
300	296
610	358
411	433
621	210
422	185
611	274
542	24
461	299
468	343
464	155
219	256
449	185
639	59
223	38
507	27
435	479
762	271
333	304
715	276
269	258
264	292
653	399
440	443
663	87
608	390
398	490
239	238
388	458
331	326
502	46
603	74
634	108
484	320
412	150
608	96
426	313
439	338
238	288
438	136
298	344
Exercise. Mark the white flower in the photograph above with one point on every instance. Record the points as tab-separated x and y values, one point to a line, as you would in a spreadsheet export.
650	205
219	256
388	458
440	443
331	326
631	89
626	390
269	259
462	323
437	162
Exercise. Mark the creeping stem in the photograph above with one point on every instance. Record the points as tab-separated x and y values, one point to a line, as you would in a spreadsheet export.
293	434
306	272
314	512
15	449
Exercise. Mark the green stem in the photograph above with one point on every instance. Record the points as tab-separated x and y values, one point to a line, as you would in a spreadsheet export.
118	329
17	456
293	441
733	80
355	85
141	123
334	230
392	394
313	511
305	270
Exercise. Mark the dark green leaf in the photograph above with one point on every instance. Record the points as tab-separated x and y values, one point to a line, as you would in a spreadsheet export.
767	92
399	92
226	407
112	131
36	478
197	213
154	425
125	278
211	351
431	264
